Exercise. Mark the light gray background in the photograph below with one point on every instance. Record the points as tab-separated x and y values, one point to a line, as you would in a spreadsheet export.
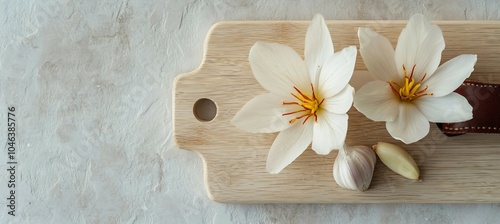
92	82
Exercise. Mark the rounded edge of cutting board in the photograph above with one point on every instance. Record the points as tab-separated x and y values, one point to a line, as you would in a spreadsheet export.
174	90
187	74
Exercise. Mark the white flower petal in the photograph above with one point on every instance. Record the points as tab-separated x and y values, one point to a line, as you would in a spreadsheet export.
262	114
446	109
410	126
329	132
420	44
450	75
377	101
319	46
378	55
288	145
278	68
341	102
337	72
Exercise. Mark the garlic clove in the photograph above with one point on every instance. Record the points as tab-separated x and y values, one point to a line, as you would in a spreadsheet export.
397	159
353	168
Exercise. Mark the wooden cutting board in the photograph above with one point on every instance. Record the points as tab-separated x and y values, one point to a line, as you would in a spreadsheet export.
454	169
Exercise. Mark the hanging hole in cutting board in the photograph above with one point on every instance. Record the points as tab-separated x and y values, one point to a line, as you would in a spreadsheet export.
205	109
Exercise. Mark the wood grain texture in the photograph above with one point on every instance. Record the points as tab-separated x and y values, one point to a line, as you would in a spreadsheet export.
457	169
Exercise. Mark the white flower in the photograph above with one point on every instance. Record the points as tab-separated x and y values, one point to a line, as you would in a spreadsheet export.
410	89
307	100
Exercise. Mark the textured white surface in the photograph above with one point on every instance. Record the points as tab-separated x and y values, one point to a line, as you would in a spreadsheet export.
91	82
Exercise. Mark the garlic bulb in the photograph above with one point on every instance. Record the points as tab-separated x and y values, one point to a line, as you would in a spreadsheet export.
353	167
397	159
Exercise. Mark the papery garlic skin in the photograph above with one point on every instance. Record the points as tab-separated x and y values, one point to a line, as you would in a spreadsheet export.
353	167
397	159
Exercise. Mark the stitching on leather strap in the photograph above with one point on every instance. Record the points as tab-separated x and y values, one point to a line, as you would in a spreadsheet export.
486	118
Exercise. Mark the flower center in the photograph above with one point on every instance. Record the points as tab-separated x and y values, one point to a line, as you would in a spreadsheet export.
310	106
409	90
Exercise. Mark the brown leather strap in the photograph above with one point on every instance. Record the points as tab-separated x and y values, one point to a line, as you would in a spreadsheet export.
485	101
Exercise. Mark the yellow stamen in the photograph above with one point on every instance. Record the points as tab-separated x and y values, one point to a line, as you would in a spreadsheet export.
310	105
410	90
